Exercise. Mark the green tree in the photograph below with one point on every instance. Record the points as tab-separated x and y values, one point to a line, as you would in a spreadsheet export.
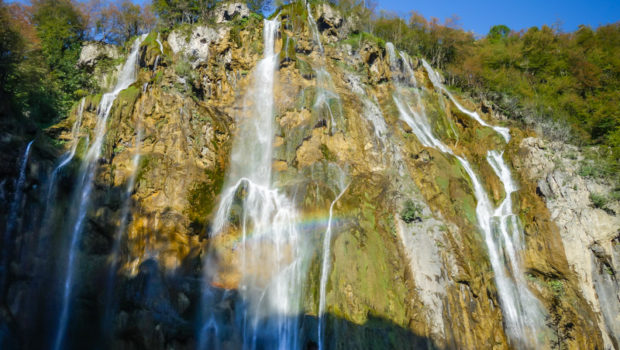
61	27
498	32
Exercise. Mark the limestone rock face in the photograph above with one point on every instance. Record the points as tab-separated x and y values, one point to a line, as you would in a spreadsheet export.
589	234
92	52
228	11
328	17
195	45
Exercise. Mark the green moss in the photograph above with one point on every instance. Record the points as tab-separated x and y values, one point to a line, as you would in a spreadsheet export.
327	154
129	95
556	286
201	199
356	39
443	183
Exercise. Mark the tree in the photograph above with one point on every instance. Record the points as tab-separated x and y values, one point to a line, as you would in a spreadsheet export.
498	32
61	27
11	45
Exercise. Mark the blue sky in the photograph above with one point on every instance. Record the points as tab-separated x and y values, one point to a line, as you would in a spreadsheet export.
478	16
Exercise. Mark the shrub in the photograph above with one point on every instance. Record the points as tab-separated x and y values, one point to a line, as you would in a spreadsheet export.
411	212
598	200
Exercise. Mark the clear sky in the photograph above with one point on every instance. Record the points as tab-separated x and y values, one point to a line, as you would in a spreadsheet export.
480	15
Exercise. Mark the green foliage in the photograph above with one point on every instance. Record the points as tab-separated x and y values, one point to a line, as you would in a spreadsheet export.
498	32
40	48
173	12
184	70
598	200
557	287
567	85
411	212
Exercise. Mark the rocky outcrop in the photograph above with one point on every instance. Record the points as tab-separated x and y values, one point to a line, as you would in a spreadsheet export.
591	236
92	52
194	45
228	11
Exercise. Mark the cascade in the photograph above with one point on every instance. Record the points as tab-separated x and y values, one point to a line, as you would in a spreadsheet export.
325	265
67	157
12	217
434	77
161	46
326	95
108	303
85	184
268	251
314	29
522	311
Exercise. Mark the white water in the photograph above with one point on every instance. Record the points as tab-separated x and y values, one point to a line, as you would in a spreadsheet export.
314	29
161	46
68	157
269	248
326	265
13	211
115	254
434	77
87	173
19	190
523	315
326	95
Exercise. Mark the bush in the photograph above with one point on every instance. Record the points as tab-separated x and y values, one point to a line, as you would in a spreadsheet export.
411	212
598	200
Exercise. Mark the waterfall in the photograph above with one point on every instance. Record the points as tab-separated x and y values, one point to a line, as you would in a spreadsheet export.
325	265
268	250
67	157
161	46
523	315
12	216
434	77
326	92
86	182
108	304
314	29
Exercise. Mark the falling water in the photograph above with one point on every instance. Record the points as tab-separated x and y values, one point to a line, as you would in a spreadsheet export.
326	95
161	46
269	247
108	303
314	29
325	265
434	77
12	217
502	235
67	157
86	179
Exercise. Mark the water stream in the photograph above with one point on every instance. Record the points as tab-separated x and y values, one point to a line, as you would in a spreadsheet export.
326	265
523	314
16	204
126	77
326	99
268	247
